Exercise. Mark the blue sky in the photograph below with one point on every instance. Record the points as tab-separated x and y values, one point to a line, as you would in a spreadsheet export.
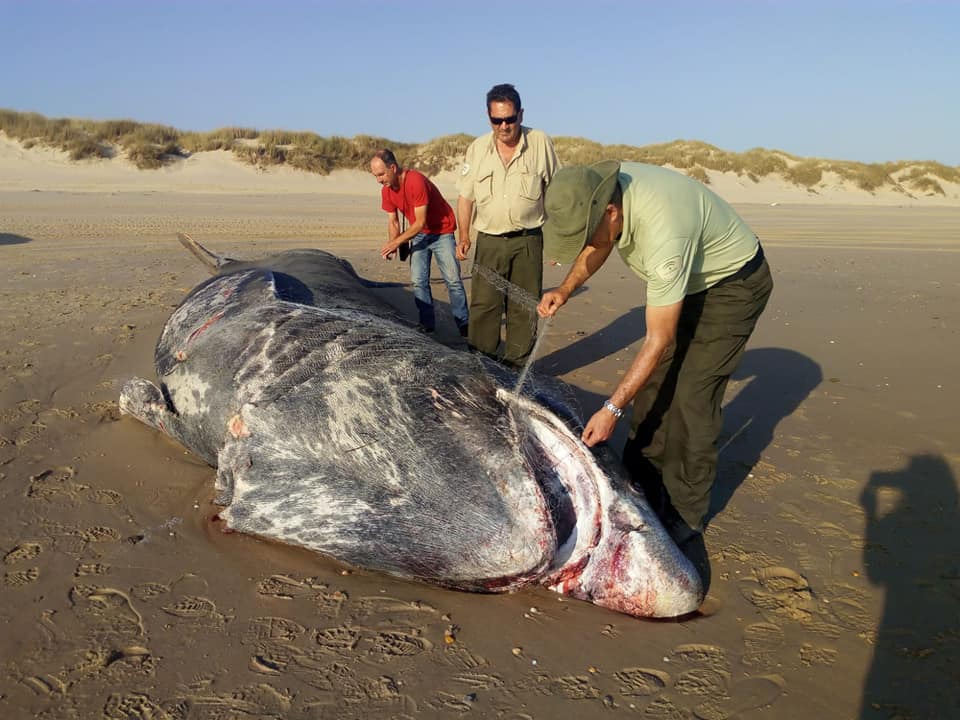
868	81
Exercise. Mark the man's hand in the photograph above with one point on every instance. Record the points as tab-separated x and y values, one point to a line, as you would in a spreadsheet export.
600	427
463	248
551	301
389	249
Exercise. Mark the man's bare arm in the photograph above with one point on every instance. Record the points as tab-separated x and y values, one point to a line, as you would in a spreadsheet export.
661	332
393	226
395	241
464	220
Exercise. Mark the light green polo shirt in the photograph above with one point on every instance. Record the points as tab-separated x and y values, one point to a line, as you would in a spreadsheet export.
678	235
510	197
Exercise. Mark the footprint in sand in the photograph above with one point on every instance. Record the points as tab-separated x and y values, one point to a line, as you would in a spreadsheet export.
368	605
106	497
709	656
23	552
272	628
664	708
25	435
45	685
200	611
258	700
750	694
106	411
574	687
459	657
761	641
445	702
385	646
20	578
338	640
56	484
763	636
535	682
149	590
780	590
824	628
641	682
329	604
811	655
704	682
710	686
368	697
273	657
84	569
134	706
8	450
285	587
739	554
845	605
478	681
99	534
107	609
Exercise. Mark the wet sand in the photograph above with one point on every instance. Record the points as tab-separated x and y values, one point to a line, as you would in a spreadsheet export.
835	572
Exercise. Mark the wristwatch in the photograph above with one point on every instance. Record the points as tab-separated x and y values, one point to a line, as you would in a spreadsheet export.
617	412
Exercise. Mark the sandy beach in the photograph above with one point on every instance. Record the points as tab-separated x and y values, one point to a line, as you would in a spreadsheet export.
834	560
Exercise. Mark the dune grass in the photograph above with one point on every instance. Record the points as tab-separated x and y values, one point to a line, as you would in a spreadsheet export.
150	146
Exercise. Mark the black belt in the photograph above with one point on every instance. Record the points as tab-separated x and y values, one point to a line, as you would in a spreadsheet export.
748	268
518	233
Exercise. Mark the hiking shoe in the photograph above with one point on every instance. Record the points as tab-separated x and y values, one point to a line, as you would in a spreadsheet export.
424	329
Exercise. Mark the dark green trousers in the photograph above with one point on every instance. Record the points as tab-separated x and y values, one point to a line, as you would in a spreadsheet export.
518	261
672	447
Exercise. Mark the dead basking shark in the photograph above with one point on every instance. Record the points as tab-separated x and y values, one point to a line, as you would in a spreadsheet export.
336	426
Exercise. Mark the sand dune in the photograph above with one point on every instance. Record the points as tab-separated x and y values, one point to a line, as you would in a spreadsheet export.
220	171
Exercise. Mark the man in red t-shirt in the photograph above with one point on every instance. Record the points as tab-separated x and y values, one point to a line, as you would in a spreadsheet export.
431	224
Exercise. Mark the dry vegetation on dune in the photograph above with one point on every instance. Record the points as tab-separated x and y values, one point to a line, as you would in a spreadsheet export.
151	146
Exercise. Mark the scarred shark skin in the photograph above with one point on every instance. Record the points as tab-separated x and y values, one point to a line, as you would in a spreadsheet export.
336	426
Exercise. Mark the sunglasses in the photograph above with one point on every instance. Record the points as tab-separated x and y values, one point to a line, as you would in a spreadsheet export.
508	120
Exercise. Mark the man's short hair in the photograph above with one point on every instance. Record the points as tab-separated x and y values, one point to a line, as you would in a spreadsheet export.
504	93
386	154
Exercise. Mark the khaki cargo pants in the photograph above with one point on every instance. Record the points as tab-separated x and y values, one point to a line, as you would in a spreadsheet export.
518	260
672	452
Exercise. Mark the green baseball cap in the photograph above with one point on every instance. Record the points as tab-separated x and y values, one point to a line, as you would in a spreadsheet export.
575	201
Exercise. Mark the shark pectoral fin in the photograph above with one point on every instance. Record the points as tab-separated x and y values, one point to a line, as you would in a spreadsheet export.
234	463
223	485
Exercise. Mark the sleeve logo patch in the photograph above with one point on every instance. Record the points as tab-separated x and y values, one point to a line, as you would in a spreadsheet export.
668	270
465	169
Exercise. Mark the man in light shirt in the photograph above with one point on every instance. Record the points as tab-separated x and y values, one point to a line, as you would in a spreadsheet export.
707	284
502	184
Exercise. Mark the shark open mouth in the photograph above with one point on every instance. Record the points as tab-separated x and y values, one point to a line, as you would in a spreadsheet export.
569	478
611	548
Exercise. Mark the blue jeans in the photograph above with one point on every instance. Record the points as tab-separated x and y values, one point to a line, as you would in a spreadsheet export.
443	248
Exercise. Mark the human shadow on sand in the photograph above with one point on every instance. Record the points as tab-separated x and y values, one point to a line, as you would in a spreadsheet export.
777	381
10	239
619	334
912	551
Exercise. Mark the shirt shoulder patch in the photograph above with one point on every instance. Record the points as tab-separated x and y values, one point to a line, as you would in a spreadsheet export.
465	169
669	269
